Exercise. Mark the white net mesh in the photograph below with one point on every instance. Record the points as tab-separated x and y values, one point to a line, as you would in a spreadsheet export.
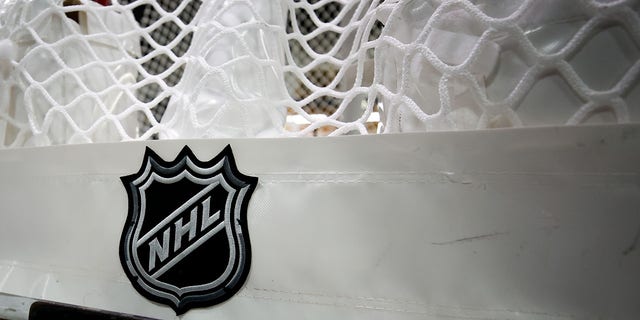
84	71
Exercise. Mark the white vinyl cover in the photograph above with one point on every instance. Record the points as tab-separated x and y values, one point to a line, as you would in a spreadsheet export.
535	223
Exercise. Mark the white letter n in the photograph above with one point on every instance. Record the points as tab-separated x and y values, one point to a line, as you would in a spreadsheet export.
161	251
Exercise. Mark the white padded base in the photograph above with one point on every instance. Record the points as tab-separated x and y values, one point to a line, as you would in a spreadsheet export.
540	223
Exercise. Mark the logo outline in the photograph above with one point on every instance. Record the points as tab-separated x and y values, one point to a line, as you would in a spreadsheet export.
220	171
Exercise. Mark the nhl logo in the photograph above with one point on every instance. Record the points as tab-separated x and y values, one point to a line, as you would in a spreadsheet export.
185	242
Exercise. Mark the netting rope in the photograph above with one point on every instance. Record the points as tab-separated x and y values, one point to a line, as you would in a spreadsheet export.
82	71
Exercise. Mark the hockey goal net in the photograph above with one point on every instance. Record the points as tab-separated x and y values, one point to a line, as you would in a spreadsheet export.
79	71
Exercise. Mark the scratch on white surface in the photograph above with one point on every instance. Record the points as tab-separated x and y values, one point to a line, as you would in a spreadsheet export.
634	244
470	239
455	177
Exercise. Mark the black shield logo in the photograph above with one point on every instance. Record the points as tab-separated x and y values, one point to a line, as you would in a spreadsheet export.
185	242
